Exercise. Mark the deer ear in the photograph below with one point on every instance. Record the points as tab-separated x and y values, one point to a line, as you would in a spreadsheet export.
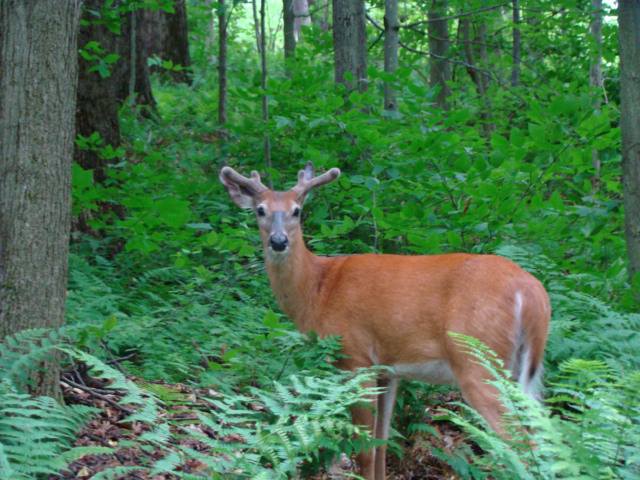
241	196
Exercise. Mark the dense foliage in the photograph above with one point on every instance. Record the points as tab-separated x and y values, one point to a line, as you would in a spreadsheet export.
169	274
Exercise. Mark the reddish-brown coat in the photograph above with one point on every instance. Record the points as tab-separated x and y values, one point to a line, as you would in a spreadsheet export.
398	310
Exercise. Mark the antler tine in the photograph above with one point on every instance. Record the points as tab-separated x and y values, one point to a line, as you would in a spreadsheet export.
307	182
254	184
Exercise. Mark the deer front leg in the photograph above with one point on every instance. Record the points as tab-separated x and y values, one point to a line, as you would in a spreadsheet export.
364	417
386	402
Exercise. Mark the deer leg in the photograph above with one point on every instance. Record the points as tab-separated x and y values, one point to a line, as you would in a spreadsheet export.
386	402
364	416
482	397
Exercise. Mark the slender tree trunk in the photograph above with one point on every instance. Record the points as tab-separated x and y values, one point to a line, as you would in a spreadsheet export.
301	17
38	75
439	66
210	39
222	62
166	35
133	31
391	40
265	98
595	75
256	24
483	58
629	34
289	34
515	68
477	70
350	43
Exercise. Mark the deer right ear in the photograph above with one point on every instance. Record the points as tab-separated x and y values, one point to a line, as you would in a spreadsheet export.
241	196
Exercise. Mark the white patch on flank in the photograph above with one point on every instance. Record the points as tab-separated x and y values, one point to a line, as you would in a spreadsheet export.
530	386
518	338
517	309
435	371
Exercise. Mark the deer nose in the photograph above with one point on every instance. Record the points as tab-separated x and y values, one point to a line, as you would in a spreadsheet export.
278	242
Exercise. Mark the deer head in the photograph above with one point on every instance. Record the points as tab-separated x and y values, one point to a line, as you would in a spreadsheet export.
278	213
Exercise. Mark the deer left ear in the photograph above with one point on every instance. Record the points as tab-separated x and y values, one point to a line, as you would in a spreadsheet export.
241	196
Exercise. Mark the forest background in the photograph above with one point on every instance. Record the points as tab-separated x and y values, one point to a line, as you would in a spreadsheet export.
485	127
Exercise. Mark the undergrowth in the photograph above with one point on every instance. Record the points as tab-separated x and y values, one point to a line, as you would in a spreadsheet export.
174	289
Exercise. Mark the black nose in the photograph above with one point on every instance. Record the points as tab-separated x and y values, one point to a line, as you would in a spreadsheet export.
278	242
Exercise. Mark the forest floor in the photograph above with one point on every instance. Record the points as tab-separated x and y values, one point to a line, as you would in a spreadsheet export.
109	428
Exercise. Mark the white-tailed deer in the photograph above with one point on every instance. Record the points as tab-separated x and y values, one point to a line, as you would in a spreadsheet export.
396	310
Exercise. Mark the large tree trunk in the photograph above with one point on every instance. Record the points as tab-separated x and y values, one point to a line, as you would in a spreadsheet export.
391	40
38	75
439	66
289	35
165	34
99	98
132	73
97	104
350	43
629	24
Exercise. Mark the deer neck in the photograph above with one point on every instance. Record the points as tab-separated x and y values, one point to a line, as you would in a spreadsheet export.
295	280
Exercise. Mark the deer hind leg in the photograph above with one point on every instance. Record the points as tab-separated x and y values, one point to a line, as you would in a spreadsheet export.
478	394
386	402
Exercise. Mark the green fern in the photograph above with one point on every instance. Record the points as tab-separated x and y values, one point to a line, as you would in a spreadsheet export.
596	437
36	434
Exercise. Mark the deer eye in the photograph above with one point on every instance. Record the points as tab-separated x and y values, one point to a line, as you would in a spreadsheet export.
296	212
260	211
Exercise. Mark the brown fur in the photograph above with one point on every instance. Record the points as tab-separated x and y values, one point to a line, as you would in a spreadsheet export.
395	309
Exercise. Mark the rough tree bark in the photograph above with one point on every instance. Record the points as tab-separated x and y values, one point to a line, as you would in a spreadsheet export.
391	40
439	66
629	34
515	55
38	75
222	63
289	35
98	98
133	62
595	74
165	34
97	103
350	43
